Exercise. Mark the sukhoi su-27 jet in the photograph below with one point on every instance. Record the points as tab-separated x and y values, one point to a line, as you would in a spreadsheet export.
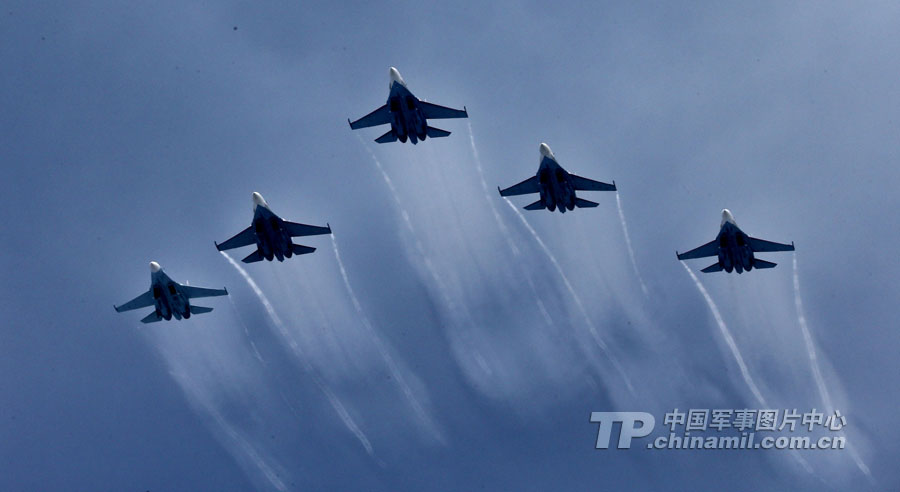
407	115
556	186
272	235
169	298
735	249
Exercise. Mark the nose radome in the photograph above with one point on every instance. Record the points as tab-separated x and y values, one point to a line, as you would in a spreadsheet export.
545	150
258	200
727	217
395	76
154	267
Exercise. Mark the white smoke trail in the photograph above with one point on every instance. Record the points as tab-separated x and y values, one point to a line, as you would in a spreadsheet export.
390	185
385	354
732	345
628	243
251	452
487	195
453	308
420	249
242	443
287	402
504	230
276	320
199	398
237	314
729	340
810	345
814	365
574	295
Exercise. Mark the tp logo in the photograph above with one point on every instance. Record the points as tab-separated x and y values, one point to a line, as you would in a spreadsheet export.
629	430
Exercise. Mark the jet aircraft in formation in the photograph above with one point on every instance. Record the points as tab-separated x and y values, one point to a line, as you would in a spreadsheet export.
272	235
407	115
169	298
735	249
556	186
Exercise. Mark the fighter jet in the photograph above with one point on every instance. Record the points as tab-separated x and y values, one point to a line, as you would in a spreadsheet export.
735	249
271	234
407	115
169	298
556	186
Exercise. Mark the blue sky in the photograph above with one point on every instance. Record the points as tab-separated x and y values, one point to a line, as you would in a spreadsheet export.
137	133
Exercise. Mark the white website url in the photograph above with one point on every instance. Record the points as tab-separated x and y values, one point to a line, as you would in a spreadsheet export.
746	441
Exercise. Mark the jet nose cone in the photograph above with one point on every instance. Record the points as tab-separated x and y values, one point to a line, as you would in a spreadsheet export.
154	267
727	217
259	200
545	150
395	76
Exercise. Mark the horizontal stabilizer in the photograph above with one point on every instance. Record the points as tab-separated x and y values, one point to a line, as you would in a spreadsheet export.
387	137
299	249
433	132
715	267
582	203
200	309
538	205
757	263
253	257
152	318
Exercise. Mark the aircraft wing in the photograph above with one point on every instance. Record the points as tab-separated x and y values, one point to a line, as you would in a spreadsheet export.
141	301
708	249
295	229
763	246
380	116
192	292
530	185
243	238
590	185
435	112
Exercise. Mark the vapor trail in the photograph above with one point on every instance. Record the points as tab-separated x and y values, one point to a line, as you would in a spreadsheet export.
385	354
412	231
729	340
390	185
578	303
814	364
288	403
628	243
807	338
246	331
726	334
235	436
453	308
503	229
487	196
276	320
199	399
